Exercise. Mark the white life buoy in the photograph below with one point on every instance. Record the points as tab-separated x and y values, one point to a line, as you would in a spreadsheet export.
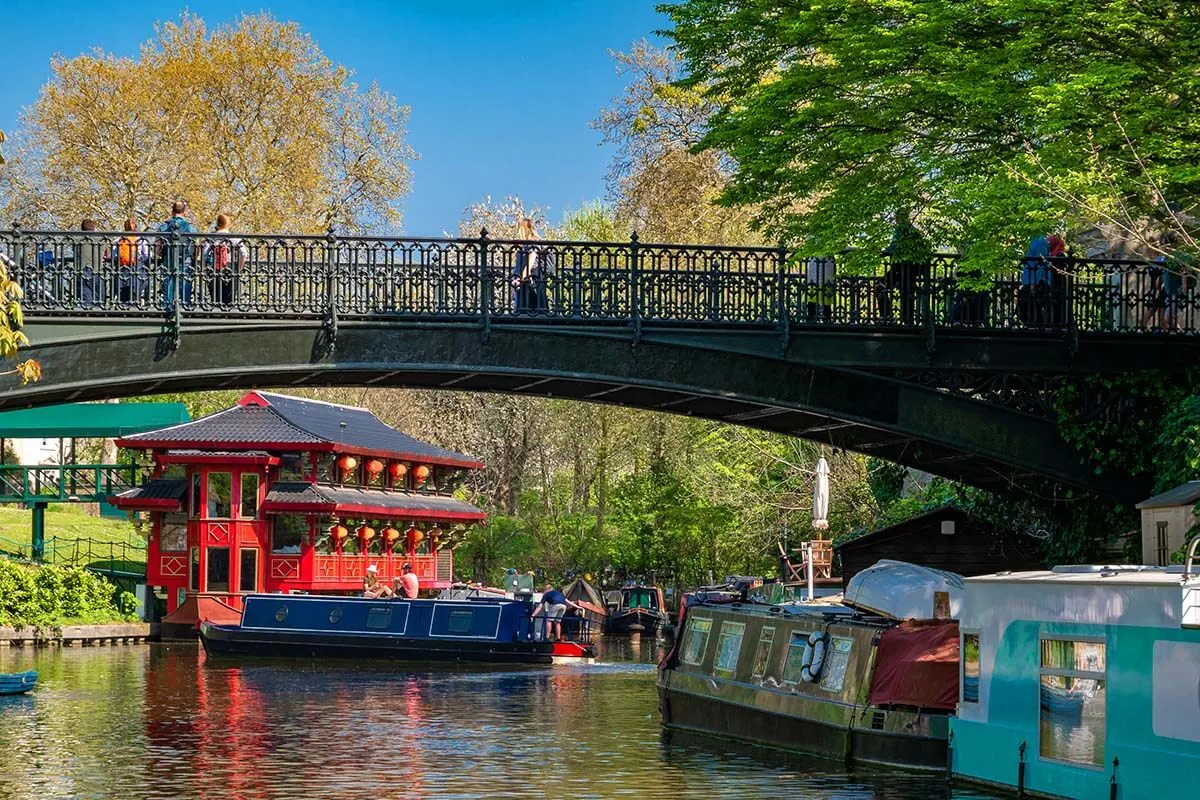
812	666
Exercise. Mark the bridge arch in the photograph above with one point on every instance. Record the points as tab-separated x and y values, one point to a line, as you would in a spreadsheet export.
753	383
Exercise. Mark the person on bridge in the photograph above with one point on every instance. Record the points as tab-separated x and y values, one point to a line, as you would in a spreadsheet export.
531	267
88	285
223	261
909	261
131	254
180	260
408	585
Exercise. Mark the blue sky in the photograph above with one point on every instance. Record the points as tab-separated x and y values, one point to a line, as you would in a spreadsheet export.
501	93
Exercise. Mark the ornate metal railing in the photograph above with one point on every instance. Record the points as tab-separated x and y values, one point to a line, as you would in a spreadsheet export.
630	283
58	483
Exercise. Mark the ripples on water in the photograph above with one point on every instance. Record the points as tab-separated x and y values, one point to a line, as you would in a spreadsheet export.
161	721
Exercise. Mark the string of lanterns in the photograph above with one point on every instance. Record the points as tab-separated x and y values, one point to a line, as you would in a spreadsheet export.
375	468
413	535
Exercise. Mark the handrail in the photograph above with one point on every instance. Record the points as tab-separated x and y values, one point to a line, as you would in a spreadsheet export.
635	284
1191	557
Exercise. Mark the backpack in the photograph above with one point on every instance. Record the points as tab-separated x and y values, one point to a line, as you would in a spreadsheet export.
162	247
217	256
127	251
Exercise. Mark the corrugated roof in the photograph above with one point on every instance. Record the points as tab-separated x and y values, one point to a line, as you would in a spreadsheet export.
1186	494
328	498
89	420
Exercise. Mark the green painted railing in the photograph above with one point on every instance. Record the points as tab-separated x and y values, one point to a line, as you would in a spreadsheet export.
61	483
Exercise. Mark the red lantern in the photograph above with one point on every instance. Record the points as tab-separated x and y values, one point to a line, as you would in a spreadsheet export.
390	534
347	463
366	533
374	466
414	536
435	538
338	532
421	473
397	470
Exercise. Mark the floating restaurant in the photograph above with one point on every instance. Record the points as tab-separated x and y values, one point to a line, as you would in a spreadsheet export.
283	494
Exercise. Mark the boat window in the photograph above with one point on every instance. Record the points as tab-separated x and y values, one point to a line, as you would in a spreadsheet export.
172	533
461	621
287	532
379	618
1072	700
794	665
729	647
249	488
641	598
837	658
218	570
696	640
220	495
762	656
970	668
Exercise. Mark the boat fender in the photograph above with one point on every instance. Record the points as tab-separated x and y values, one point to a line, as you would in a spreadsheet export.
811	671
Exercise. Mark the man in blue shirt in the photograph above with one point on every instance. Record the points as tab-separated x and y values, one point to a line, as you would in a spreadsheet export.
178	261
554	606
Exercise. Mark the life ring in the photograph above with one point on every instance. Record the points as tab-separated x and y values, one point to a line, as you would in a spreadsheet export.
812	667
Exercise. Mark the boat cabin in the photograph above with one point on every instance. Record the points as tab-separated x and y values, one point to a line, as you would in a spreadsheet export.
1079	679
283	494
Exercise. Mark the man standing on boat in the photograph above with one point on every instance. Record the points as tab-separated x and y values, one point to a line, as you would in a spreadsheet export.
407	585
554	606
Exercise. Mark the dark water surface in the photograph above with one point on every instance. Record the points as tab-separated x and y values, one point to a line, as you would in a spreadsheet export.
161	721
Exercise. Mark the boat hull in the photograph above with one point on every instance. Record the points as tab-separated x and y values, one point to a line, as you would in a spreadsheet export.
232	640
714	717
18	683
636	621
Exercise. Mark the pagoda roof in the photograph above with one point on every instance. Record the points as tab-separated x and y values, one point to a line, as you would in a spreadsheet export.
160	494
309	498
276	422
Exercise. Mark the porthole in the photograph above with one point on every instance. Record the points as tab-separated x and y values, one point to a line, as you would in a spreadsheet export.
281	614
335	616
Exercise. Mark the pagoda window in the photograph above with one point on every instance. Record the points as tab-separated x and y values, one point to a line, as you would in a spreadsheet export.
220	495
172	533
287	533
324	543
194	497
249	499
293	468
248	576
218	569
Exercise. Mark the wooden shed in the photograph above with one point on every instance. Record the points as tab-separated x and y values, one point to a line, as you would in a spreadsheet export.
945	538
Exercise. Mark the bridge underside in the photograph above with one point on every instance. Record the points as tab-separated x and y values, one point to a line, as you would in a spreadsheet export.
734	380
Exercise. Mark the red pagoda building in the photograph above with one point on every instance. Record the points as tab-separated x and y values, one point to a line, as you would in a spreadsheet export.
283	494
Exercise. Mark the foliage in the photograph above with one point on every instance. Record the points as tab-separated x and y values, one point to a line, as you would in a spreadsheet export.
501	219
658	185
51	595
12	319
1177	446
250	119
993	120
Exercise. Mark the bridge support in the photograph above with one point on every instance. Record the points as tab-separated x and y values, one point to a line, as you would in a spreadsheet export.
39	531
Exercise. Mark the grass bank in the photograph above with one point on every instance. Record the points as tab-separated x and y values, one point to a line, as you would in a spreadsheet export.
72	536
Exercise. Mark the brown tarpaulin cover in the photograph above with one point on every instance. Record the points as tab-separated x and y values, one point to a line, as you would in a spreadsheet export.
917	665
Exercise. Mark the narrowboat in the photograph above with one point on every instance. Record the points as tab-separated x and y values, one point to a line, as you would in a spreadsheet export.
311	626
581	592
1081	681
637	609
18	683
828	679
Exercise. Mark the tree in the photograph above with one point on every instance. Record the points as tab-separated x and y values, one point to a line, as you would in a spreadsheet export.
992	120
11	318
250	119
658	185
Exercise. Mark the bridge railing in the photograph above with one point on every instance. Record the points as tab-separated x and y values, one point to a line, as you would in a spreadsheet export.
68	273
87	483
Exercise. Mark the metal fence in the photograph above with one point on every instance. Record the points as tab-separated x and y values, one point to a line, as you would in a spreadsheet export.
87	483
632	283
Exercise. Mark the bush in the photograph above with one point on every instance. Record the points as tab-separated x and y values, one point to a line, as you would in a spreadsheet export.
50	595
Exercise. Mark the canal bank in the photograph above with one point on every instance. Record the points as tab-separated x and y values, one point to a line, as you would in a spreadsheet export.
161	722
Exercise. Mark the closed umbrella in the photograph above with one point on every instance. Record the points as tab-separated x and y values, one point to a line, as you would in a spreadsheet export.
820	506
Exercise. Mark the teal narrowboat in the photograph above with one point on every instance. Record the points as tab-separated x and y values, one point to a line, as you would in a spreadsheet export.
1081	682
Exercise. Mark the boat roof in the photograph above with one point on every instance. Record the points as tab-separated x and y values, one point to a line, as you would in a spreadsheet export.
821	610
1090	574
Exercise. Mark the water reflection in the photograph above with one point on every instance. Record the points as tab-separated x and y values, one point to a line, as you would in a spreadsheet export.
164	722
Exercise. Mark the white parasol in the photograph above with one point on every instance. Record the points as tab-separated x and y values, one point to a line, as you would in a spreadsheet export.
820	506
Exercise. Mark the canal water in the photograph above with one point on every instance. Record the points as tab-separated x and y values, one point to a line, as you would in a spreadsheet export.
162	721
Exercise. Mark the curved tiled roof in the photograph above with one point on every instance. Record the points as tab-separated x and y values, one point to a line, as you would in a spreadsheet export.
266	421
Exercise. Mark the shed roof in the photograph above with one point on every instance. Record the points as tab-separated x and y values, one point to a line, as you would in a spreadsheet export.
903	527
267	421
89	420
162	494
1185	494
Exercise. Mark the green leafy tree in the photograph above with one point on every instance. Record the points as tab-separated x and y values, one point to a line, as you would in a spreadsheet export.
991	119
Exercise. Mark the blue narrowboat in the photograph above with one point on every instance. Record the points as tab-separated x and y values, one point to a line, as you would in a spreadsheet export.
1081	682
313	626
